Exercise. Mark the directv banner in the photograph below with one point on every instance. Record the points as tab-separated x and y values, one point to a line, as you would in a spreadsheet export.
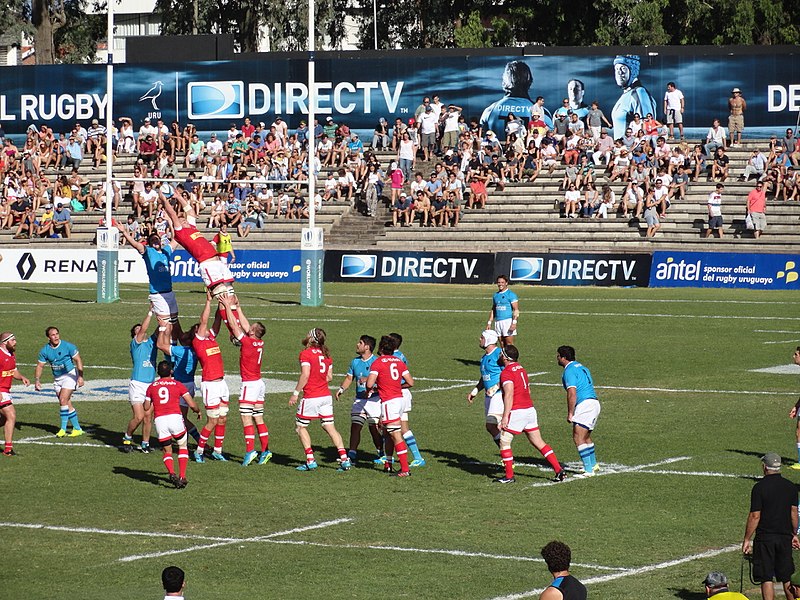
725	270
45	265
411	267
250	266
575	269
357	91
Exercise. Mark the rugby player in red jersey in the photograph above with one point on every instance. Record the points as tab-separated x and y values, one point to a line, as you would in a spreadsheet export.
212	384
251	396
8	372
164	395
390	373
316	371
519	416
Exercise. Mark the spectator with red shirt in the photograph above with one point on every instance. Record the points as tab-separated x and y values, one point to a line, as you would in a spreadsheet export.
756	209
316	372
8	372
251	396
164	396
389	372
519	416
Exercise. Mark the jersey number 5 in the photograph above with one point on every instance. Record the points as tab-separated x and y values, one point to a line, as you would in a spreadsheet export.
322	368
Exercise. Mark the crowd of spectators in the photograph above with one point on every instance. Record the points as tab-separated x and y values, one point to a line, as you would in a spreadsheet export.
254	172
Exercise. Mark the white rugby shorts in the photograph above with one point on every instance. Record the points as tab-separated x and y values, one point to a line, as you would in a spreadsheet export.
214	272
522	419
493	405
502	326
5	399
169	427
406	400
214	393
164	303
136	391
586	414
367	407
315	408
252	392
391	410
67	381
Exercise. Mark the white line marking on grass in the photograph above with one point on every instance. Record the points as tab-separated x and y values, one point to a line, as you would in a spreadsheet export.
35	439
261	538
437	551
85	366
773	331
602	473
68	444
444	387
782	342
791	369
632	572
695	473
146	534
680	391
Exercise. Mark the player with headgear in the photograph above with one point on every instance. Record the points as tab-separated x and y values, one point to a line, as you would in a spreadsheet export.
635	98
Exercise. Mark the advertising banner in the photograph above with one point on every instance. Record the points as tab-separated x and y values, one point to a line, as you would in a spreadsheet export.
411	267
726	270
46	265
357	91
575	269
313	259
250	266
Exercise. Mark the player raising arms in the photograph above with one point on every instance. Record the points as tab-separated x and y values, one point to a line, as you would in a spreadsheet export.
389	372
8	372
583	407
184	364
212	384
505	311
162	397
316	370
144	356
519	416
366	409
156	260
251	396
67	367
405	429
490	384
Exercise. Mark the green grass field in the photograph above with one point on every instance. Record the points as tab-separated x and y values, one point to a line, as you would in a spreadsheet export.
685	419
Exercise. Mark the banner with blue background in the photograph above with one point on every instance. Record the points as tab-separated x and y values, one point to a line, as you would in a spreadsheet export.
725	270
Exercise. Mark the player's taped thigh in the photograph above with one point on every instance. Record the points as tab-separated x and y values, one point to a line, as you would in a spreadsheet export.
404	417
506	437
183	441
224	408
213	413
358	419
374	421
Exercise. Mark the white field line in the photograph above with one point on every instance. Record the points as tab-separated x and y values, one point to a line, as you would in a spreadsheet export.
774	331
695	473
93	530
572	313
85	366
438	551
633	571
633	469
782	342
673	390
67	444
261	538
444	387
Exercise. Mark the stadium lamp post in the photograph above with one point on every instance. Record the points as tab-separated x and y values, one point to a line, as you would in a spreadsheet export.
311	237
108	235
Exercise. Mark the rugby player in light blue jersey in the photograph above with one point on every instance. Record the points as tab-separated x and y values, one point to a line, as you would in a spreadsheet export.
634	99
184	363
583	407
505	311
156	259
408	435
67	366
517	81
144	356
366	409
490	384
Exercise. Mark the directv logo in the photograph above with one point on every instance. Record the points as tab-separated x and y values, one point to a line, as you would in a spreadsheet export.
527	269
355	265
216	100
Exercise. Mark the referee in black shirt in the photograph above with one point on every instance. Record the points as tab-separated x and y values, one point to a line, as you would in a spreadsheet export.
773	518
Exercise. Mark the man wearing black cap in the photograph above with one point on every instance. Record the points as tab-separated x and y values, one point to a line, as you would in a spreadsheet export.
717	586
773	518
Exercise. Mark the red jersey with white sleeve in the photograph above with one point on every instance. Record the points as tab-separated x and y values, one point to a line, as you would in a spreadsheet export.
515	373
321	365
250	357
390	371
165	394
210	357
8	366
199	247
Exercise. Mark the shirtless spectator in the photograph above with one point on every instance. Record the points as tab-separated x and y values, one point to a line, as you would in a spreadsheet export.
421	209
737	106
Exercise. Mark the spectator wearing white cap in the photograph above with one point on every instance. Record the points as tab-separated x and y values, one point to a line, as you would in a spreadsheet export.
773	518
716	584
737	106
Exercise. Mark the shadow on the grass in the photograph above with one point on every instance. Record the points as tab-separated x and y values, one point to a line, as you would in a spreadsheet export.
758	454
43	427
685	594
58	296
468	362
153	478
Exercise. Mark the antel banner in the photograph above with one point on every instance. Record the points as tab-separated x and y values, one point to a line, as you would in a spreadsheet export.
250	266
575	269
44	265
411	267
725	270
